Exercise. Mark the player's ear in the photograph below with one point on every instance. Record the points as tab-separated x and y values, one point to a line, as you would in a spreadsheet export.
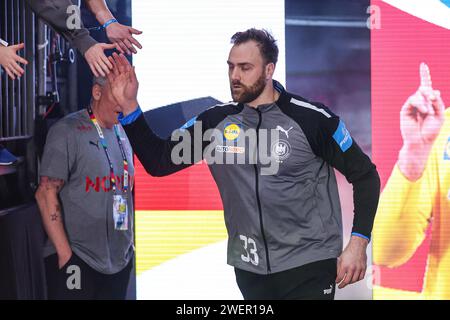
269	70
96	92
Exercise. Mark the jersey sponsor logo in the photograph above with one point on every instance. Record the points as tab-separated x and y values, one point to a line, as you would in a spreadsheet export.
98	184
281	149
230	149
231	131
447	150
286	132
342	137
188	124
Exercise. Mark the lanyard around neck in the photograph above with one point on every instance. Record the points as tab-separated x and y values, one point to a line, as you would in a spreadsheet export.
105	148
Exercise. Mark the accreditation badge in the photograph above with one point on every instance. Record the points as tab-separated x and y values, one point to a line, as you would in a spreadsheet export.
120	213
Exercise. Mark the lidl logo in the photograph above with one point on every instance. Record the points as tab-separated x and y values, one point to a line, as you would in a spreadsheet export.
231	131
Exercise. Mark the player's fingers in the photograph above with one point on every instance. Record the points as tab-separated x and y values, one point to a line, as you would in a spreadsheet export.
135	31
425	76
417	101
135	42
437	103
99	69
10	73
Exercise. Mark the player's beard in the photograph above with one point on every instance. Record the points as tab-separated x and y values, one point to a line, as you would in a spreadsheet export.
246	94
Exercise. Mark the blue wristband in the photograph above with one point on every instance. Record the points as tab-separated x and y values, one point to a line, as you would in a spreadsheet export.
361	236
124	120
107	23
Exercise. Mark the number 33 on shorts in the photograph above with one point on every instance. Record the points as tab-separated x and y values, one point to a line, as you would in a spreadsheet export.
251	254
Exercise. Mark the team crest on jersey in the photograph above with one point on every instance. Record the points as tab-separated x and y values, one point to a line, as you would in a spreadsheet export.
447	150
281	150
231	131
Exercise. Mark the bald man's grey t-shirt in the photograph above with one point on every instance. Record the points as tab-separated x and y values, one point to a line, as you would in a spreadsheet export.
74	154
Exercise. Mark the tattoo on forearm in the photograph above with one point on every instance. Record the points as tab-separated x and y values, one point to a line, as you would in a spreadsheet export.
52	183
55	215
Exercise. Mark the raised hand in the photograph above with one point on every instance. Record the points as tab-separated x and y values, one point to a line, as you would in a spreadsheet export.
123	83
97	60
123	36
10	60
421	119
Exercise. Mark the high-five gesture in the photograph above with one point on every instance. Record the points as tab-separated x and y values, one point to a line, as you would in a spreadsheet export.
122	35
10	60
117	33
97	60
123	82
421	119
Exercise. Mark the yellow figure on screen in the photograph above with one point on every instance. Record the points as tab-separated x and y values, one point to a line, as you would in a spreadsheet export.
417	191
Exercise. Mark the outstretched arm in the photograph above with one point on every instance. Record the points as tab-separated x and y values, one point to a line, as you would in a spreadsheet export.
9	59
65	19
117	33
159	156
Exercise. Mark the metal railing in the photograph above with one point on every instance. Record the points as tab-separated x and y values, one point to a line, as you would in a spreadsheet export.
17	97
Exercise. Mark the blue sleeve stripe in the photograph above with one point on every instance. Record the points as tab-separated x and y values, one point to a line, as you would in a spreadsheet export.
190	123
131	117
360	235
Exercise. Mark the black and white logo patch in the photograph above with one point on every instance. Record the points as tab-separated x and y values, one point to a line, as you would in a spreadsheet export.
281	150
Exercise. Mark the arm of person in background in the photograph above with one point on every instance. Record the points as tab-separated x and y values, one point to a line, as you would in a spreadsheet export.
9	59
407	199
117	33
59	15
58	161
154	153
50	208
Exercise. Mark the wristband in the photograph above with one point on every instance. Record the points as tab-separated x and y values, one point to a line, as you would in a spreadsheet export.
107	23
361	236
